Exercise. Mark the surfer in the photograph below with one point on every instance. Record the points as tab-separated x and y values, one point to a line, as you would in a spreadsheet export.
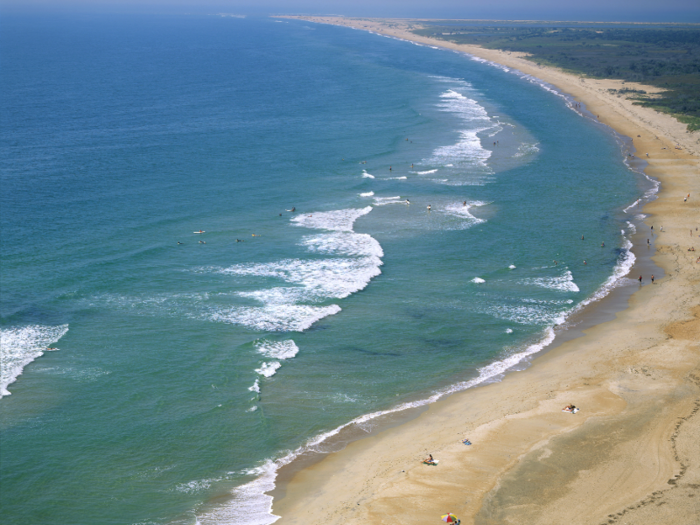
293	209
179	242
408	202
202	242
238	240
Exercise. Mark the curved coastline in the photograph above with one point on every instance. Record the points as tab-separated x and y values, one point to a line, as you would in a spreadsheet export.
515	423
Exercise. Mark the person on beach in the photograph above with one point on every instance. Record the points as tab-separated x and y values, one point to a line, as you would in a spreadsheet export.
640	279
652	278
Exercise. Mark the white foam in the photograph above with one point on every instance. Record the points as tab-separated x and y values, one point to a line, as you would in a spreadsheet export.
509	330
367	194
396	178
383	201
564	283
268	369
527	314
635	203
313	281
277	349
512	267
462	211
256	387
632	227
467	150
428	172
250	505
348	244
201	485
366	175
477	280
527	149
624	264
19	346
319	279
338	220
274	318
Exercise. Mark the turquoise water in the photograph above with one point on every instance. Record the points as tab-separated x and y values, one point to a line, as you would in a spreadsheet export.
183	371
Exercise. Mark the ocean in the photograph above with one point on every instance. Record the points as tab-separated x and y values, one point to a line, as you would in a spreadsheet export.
228	243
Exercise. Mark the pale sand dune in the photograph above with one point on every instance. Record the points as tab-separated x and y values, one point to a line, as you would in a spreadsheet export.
632	455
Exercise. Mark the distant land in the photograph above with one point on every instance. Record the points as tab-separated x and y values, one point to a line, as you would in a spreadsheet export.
666	56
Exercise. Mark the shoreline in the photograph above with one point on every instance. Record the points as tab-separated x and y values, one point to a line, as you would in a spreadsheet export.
515	424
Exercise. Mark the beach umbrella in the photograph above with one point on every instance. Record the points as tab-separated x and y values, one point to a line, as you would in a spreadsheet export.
449	518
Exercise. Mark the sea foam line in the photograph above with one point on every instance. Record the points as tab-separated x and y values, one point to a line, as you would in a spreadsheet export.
20	346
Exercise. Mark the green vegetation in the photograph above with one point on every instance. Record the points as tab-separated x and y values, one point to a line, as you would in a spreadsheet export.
665	56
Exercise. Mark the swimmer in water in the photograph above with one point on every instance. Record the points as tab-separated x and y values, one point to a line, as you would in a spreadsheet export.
602	245
202	242
179	242
429	207
464	203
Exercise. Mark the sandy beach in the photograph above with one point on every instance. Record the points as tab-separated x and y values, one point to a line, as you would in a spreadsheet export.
630	455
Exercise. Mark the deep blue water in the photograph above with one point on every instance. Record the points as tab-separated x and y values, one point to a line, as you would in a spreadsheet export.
182	370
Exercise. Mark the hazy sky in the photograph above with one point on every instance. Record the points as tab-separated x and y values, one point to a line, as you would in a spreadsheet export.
607	10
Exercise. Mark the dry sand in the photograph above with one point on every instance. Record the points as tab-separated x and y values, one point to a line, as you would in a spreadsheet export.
631	455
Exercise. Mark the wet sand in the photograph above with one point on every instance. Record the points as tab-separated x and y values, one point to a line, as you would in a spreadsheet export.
632	453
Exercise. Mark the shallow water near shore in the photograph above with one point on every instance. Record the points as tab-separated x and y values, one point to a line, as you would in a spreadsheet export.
182	372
